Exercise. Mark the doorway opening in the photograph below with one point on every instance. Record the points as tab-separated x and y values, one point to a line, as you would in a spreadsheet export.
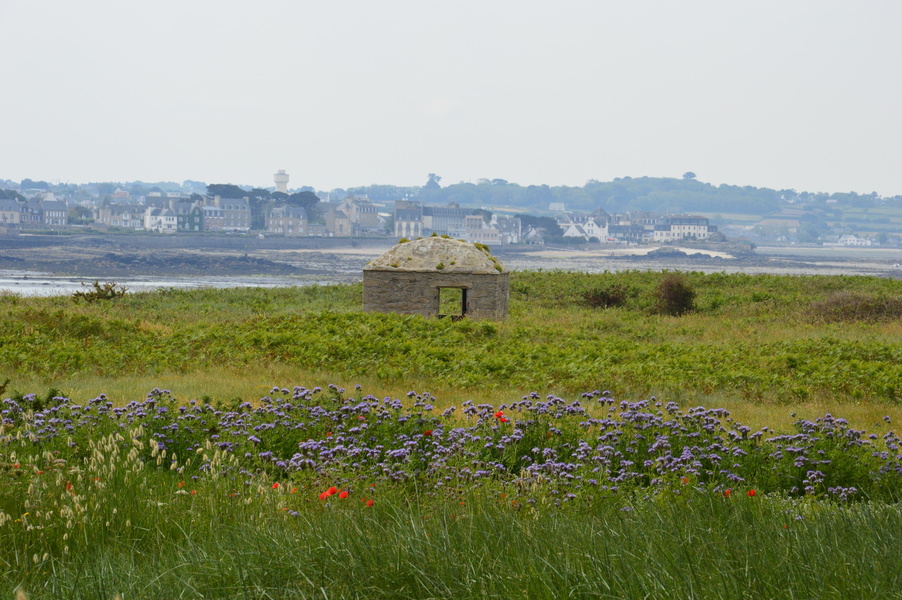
452	302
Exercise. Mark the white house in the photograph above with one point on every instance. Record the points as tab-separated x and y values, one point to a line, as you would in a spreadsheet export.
162	220
683	227
853	240
586	227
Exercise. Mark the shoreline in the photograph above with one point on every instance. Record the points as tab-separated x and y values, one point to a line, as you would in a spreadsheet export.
90	257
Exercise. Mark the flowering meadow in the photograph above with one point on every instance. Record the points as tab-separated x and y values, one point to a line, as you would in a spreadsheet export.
326	491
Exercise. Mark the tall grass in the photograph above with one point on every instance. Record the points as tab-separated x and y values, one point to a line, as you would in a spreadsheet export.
689	546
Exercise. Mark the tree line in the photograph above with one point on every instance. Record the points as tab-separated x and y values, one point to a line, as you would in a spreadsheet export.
660	195
261	200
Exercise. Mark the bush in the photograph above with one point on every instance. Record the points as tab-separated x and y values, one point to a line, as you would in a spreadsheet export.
675	295
99	291
851	306
606	297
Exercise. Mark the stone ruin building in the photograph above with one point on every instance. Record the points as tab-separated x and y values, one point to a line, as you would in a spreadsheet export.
437	276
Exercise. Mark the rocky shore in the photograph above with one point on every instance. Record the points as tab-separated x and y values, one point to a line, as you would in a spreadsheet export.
131	256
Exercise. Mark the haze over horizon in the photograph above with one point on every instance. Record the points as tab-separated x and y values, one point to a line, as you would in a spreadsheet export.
794	94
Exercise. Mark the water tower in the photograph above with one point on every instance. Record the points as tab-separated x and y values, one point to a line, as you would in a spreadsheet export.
281	180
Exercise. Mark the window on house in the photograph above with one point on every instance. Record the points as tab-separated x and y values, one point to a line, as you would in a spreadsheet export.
452	302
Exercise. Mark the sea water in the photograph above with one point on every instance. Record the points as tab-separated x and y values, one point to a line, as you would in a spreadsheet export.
39	284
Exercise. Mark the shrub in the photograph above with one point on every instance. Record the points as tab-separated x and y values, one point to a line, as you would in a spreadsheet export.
607	297
674	295
851	306
100	291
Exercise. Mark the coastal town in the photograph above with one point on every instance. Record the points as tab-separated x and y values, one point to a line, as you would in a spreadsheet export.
277	211
354	216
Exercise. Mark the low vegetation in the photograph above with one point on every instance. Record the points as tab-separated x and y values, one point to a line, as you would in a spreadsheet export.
844	306
736	337
579	447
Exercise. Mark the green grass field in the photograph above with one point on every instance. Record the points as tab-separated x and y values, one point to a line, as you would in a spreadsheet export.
255	443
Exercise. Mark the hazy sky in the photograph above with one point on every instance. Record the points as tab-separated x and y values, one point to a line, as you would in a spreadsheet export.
782	93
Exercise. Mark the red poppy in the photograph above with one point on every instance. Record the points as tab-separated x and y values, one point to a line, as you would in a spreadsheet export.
17	465
343	495
324	495
332	490
503	419
193	492
181	484
684	480
726	493
751	493
370	502
427	433
293	490
499	414
275	486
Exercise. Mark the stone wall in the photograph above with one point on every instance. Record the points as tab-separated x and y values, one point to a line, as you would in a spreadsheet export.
417	293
